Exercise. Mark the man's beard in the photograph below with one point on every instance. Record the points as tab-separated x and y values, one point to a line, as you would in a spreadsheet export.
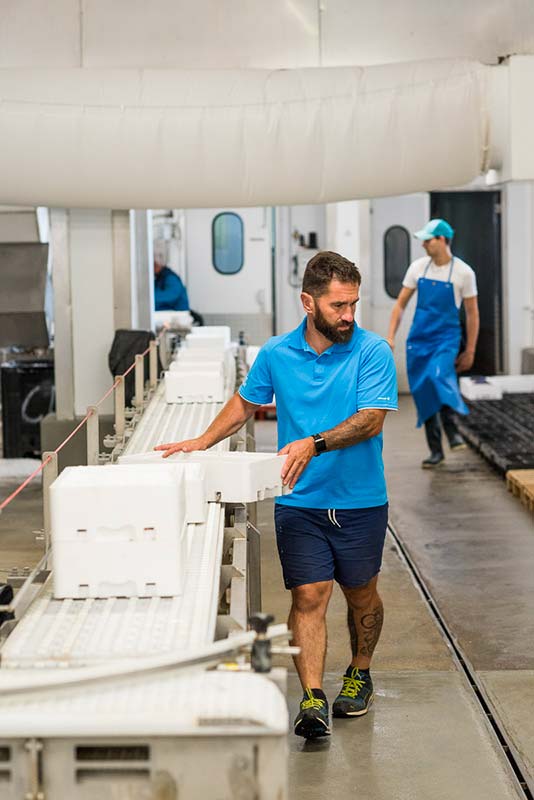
332	332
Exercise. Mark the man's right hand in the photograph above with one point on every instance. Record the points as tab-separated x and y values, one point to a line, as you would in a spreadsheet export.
188	446
391	343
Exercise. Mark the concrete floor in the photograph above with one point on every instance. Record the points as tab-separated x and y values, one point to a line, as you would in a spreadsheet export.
425	737
19	520
473	543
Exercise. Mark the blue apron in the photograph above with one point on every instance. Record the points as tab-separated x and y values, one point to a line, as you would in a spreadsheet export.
432	348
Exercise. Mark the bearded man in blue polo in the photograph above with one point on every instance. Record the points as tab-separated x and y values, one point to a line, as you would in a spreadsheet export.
334	384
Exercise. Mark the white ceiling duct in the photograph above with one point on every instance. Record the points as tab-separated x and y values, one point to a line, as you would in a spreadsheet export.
167	138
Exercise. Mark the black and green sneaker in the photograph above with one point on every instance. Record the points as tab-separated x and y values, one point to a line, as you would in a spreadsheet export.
356	694
312	719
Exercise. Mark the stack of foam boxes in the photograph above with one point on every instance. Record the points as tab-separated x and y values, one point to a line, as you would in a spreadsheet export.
203	368
120	531
495	386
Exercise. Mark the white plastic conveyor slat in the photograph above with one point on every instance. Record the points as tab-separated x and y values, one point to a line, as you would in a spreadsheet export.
172	422
78	632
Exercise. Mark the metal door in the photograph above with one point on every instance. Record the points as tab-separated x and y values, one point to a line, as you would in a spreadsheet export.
476	219
242	299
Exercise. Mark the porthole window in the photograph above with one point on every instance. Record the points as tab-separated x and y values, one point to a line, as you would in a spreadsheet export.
227	241
396	258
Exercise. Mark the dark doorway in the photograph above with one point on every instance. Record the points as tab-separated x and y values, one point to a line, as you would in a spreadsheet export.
476	218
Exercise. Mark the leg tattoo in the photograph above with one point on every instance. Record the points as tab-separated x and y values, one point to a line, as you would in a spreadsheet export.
364	620
353	633
371	623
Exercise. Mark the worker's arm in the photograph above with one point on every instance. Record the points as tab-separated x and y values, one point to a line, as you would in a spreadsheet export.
360	426
232	417
472	324
396	314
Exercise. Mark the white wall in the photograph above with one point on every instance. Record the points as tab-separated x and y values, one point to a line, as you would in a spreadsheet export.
521	118
410	211
518	271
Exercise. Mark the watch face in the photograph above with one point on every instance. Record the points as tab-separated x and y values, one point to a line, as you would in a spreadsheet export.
320	444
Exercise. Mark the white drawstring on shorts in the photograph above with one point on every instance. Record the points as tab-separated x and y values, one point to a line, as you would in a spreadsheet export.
332	517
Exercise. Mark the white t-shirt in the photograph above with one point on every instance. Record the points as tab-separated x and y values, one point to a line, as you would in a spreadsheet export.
463	278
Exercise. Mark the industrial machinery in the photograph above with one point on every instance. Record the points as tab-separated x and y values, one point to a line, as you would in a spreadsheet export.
113	689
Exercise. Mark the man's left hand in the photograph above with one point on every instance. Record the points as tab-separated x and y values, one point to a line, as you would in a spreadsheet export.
299	454
464	361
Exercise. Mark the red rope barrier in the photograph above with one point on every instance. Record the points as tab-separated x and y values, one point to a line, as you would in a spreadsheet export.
60	447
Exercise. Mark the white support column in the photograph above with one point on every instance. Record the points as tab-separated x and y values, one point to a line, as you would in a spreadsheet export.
142	270
91	256
122	269
103	280
63	352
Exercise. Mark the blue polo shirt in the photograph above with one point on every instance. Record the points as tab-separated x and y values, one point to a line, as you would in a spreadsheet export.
315	393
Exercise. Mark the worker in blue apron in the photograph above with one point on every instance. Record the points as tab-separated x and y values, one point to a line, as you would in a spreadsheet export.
434	343
432	347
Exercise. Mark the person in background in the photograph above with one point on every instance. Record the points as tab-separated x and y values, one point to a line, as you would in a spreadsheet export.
334	384
442	282
170	293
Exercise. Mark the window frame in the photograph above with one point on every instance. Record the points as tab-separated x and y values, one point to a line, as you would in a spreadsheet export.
242	255
385	248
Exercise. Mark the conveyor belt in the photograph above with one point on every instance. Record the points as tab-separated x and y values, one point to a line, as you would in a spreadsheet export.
78	632
502	430
171	422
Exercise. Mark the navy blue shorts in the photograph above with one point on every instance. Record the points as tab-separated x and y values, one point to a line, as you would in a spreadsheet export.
330	544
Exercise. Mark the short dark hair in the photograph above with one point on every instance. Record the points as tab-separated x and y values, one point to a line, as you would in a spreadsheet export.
325	266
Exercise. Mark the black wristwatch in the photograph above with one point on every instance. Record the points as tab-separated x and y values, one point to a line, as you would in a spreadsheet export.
320	444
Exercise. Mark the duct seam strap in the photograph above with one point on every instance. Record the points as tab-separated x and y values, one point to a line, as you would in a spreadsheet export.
434	83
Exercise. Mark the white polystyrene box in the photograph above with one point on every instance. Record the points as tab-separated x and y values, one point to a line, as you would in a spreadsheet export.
215	367
237	477
512	384
198	355
212	344
479	390
195	493
213	331
194	386
173	319
119	531
495	386
251	354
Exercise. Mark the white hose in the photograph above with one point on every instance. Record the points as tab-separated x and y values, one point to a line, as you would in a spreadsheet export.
20	682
